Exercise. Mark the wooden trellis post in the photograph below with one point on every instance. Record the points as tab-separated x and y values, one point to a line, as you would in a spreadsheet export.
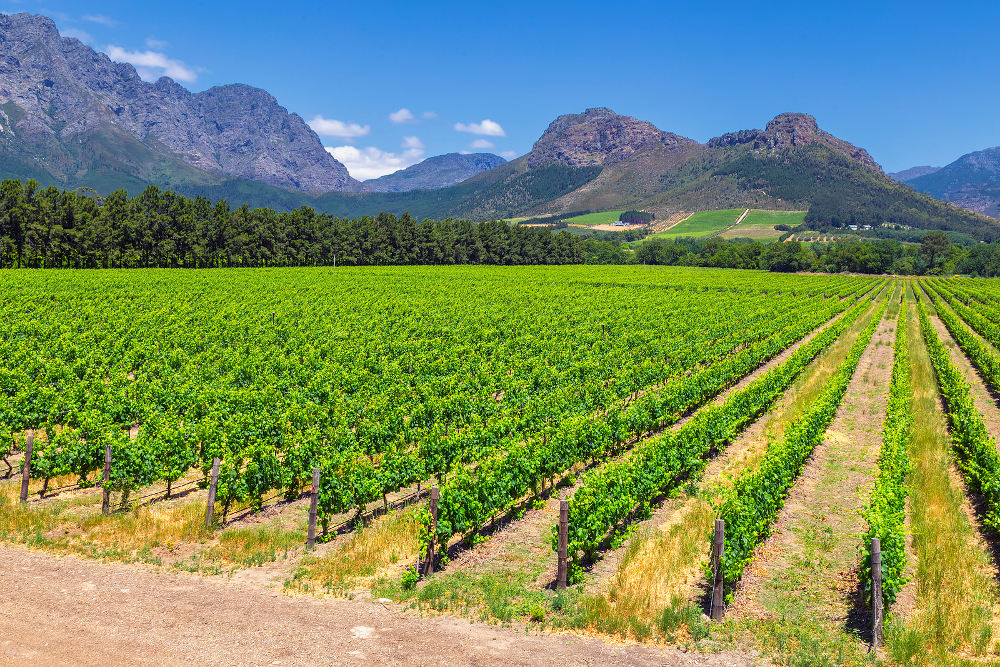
876	593
106	481
429	563
563	552
26	470
213	486
313	499
718	550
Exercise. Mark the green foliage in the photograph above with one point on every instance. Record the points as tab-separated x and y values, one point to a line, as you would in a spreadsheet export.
694	371
410	579
49	228
613	494
885	512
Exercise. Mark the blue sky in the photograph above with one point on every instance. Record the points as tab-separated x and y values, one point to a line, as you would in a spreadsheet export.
913	82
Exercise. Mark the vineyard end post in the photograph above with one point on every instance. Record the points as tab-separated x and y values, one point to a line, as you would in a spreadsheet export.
563	552
876	593
26	471
718	552
213	485
429	564
106	481
313	499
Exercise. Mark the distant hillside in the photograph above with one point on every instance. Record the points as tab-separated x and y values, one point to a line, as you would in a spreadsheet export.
435	172
972	181
913	172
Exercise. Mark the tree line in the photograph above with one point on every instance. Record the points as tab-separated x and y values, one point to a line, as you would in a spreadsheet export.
52	228
934	255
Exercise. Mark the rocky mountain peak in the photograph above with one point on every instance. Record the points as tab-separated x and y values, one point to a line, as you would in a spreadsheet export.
598	136
65	92
791	130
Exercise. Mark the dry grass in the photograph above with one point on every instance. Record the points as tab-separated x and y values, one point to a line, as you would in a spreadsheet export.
955	614
661	564
385	547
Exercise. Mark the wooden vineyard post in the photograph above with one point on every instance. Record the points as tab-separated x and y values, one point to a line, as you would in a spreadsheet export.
563	552
313	498
26	471
718	549
429	563
213	485
106	481
876	593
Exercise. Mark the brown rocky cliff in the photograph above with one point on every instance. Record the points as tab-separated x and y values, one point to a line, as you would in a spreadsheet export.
598	137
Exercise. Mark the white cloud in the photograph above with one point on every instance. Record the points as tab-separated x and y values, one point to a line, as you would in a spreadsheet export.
371	162
153	64
482	144
102	19
429	115
154	43
508	155
487	127
404	115
328	127
81	35
413	143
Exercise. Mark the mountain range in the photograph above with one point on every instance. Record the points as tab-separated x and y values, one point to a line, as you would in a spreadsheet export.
71	117
972	181
435	172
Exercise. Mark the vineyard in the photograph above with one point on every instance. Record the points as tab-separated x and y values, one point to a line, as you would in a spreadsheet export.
623	451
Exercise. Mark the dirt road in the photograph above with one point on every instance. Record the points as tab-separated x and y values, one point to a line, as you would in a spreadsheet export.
62	611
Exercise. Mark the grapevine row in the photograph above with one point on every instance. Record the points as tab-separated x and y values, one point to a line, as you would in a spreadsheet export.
752	503
975	450
885	511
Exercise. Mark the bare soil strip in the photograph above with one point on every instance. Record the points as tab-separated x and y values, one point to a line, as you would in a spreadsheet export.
808	567
67	611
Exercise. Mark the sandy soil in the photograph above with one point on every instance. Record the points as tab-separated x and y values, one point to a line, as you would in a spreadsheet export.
67	611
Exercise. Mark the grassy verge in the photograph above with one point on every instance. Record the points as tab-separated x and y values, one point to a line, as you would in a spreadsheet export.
168	534
956	595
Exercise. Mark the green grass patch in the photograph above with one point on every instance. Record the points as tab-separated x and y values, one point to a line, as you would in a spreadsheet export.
603	218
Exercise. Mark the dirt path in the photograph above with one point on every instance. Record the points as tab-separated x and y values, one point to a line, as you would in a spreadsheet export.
65	611
807	568
740	219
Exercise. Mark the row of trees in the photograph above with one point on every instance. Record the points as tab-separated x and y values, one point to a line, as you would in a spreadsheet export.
934	255
51	228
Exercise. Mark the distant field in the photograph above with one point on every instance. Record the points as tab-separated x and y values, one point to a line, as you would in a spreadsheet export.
702	223
760	224
603	218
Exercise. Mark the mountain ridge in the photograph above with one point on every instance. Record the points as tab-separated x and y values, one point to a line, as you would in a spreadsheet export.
972	181
438	171
56	91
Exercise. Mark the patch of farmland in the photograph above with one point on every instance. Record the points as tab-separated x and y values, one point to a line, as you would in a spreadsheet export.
590	219
702	223
759	224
